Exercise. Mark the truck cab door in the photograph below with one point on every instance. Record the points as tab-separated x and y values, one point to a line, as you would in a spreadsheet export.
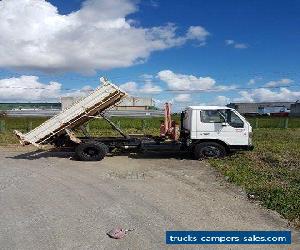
209	124
235	130
221	125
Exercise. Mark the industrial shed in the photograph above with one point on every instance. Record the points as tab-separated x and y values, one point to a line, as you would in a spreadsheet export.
127	104
295	109
261	108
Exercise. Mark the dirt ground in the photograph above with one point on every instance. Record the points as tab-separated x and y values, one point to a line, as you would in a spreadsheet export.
50	201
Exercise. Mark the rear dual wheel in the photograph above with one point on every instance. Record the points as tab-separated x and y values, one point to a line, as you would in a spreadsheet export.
91	151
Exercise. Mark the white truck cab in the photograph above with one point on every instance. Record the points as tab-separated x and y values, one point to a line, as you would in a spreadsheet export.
213	129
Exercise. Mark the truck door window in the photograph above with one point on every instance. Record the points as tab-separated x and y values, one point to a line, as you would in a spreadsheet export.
211	116
233	120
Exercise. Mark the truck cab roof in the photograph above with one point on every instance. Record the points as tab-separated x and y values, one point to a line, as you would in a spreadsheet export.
207	107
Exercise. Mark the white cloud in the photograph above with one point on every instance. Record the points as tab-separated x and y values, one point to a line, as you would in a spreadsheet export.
235	44
198	33
224	88
28	88
150	88
281	82
267	95
98	36
241	46
182	98
252	81
130	87
83	92
229	42
153	4
221	100
185	82
134	88
190	82
147	78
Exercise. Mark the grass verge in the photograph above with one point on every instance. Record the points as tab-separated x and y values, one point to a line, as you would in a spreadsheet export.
270	173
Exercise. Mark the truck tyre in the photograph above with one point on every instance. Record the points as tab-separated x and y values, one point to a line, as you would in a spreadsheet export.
91	151
209	150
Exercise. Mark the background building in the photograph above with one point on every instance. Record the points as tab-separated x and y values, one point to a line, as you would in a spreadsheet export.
262	108
136	103
129	103
29	106
295	109
130	106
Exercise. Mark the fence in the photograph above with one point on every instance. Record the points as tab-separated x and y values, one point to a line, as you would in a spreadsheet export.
275	122
112	113
25	124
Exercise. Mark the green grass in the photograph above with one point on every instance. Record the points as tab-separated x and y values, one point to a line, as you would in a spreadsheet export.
270	173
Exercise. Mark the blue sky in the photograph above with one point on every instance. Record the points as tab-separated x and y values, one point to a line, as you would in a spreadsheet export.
154	45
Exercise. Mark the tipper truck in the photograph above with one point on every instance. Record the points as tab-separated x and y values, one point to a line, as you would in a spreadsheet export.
204	131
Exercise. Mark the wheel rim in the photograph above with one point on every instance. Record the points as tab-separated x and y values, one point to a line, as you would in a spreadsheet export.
210	151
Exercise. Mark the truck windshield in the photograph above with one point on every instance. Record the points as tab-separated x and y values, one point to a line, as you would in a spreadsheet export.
232	119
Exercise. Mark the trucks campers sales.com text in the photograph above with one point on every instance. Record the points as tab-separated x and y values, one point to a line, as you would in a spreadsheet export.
228	237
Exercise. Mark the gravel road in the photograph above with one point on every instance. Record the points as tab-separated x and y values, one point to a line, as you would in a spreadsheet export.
49	201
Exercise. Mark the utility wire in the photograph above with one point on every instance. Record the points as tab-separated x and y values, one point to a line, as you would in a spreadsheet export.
217	89
39	88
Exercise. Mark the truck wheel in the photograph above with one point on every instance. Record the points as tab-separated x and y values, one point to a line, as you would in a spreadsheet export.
91	151
209	150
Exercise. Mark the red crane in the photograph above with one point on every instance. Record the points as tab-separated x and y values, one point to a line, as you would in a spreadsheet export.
169	128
